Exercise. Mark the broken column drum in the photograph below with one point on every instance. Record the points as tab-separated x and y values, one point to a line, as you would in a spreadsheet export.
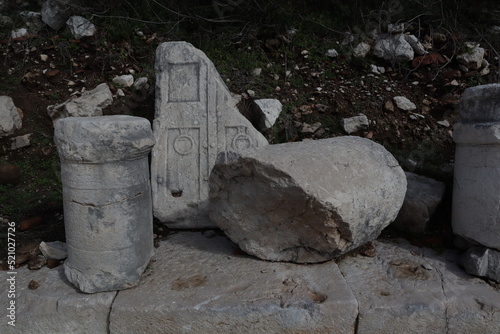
107	199
476	193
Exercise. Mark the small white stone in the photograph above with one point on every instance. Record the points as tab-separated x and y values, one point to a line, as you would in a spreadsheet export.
332	53
125	80
256	71
44	57
120	92
251	93
444	123
403	103
18	33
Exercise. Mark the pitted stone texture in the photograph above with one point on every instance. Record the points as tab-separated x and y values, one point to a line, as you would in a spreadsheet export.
476	209
107	199
200	285
423	195
483	262
393	47
55	307
196	118
480	104
406	289
306	202
56	12
103	139
80	27
10	118
91	103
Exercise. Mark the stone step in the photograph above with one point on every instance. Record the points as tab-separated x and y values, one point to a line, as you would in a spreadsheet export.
202	283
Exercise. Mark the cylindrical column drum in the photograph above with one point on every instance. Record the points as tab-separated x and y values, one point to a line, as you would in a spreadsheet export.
107	200
476	190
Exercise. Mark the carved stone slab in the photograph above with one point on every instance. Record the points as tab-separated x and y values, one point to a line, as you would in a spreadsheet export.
195	119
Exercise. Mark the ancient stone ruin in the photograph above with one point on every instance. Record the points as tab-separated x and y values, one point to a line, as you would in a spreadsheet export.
107	199
476	206
195	119
306	202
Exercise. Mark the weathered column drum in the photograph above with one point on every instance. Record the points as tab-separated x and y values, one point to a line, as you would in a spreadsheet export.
476	193
107	200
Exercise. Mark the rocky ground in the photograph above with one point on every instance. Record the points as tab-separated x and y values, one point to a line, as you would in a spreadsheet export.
317	88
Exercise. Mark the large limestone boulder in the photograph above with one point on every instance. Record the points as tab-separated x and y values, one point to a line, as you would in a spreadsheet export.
306	202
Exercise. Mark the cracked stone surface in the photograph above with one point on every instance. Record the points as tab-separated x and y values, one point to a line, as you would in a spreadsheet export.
203	284
200	285
406	289
306	202
55	307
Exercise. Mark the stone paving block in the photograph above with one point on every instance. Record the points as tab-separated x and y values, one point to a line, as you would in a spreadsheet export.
406	289
204	285
195	119
55	307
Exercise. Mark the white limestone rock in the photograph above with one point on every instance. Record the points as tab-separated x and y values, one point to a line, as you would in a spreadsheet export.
107	200
54	250
307	201
17	33
473	57
354	124
332	53
423	195
269	110
412	290
393	48
483	262
91	103
403	103
418	48
10	118
80	27
196	118
200	285
361	50
125	80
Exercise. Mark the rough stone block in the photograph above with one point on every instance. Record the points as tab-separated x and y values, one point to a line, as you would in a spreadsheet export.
476	209
406	289
204	285
423	195
483	262
55	306
107	199
306	202
195	119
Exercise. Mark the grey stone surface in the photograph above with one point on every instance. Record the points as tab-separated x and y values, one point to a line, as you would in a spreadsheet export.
361	50
107	199
80	27
403	103
406	289
354	124
480	104
423	195
483	262
393	47
56	12
54	250
10	119
269	110
55	307
195	119
307	201
125	80
473	57
199	285
475	208
418	48
89	104
204	284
